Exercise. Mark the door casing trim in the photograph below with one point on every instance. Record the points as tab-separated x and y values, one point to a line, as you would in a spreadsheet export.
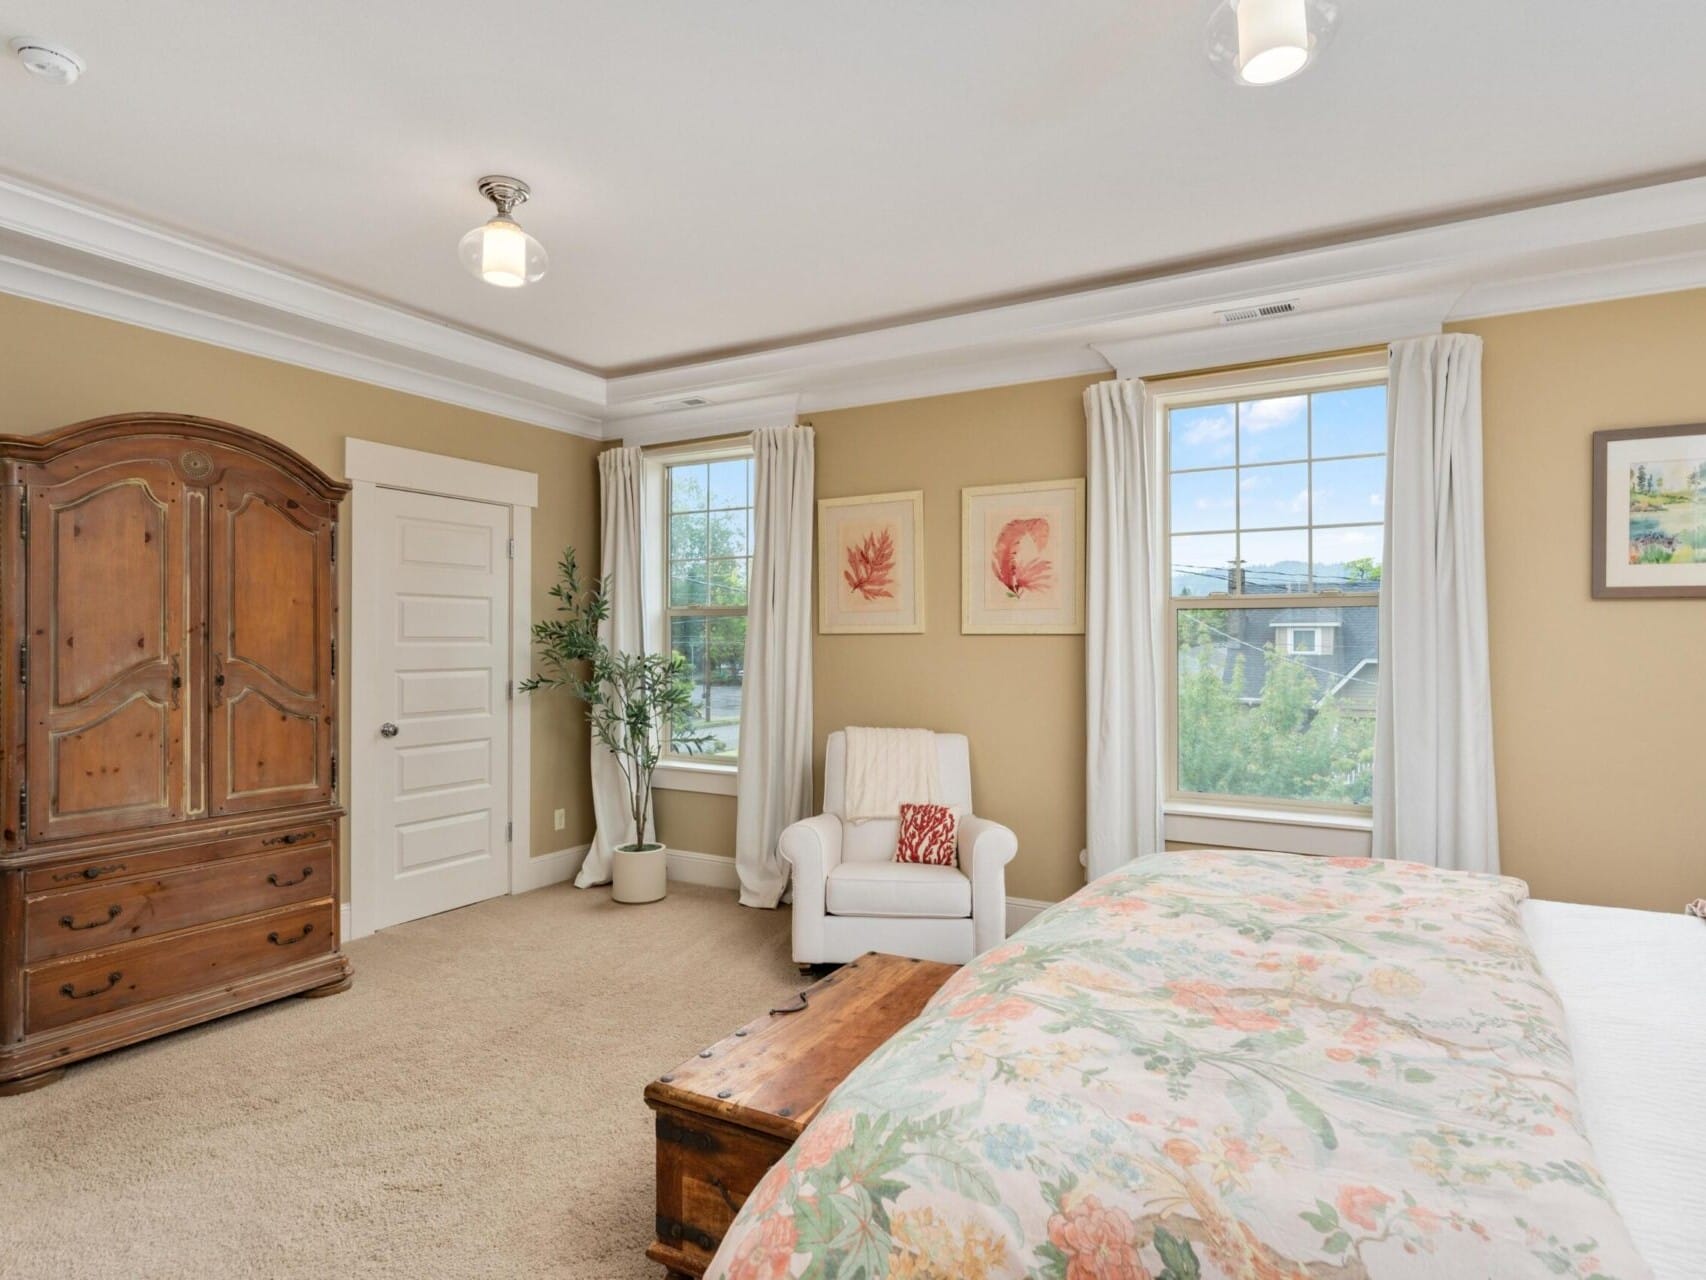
371	466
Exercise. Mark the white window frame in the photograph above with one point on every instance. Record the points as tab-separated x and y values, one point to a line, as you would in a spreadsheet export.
680	772
1297	826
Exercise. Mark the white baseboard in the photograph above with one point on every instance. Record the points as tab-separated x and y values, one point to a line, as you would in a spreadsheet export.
686	866
709	869
1021	911
550	868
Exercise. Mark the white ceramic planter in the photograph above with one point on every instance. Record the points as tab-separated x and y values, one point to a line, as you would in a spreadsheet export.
639	874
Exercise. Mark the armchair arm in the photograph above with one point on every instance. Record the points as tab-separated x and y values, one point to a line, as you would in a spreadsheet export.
985	849
813	849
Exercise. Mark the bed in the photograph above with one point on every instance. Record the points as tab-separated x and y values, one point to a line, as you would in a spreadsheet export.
1246	1064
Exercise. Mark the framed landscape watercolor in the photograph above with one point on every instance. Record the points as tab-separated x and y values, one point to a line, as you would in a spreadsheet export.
1022	559
870	564
1649	513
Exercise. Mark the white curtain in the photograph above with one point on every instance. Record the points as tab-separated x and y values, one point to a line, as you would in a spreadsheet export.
775	787
1125	609
1433	761
621	541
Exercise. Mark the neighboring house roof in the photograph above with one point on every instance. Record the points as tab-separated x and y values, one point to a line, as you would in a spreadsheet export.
1347	673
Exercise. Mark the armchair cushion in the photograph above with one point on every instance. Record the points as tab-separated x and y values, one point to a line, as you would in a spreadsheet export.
898	889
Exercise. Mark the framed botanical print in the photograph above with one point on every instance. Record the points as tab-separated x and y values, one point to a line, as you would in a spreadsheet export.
870	564
1649	513
1022	559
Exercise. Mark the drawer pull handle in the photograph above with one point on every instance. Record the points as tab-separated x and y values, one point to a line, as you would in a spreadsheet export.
89	873
71	993
70	922
292	838
276	883
289	942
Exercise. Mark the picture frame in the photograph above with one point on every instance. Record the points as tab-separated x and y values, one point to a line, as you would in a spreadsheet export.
871	564
1649	513
1022	558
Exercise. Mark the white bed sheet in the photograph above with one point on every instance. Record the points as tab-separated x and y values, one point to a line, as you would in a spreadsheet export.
1633	985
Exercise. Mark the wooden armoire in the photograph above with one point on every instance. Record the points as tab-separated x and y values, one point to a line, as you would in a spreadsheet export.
168	791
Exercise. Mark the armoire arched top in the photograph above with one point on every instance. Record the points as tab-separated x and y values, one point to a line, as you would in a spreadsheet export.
61	442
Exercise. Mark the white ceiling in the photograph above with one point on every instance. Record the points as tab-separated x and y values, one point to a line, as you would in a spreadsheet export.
721	175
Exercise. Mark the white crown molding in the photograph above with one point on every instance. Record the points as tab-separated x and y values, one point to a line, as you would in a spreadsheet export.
1629	243
114	253
1671	274
667	425
1301	334
947	379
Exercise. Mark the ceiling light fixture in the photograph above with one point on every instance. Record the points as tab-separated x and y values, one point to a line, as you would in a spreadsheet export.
500	252
52	62
1262	42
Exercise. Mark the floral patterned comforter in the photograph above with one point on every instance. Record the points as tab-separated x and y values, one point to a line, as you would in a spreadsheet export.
1213	1065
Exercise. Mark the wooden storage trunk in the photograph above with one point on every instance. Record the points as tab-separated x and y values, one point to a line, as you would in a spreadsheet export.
729	1113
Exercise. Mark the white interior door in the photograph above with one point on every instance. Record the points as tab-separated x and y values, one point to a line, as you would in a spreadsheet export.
438	789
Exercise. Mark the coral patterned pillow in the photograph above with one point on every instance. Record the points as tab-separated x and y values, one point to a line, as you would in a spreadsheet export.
927	835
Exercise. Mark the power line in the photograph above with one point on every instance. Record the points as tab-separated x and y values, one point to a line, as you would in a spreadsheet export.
1286	657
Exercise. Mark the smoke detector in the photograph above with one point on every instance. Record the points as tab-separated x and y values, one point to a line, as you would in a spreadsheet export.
52	62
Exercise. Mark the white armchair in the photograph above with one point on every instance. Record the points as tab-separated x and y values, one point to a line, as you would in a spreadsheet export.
851	896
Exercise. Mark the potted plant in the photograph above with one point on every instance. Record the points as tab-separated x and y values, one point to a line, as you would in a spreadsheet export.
631	699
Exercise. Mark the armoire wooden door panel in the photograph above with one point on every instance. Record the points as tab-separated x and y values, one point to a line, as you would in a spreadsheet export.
107	631
270	611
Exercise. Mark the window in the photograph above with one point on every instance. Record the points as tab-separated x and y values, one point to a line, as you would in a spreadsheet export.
708	551
1275	508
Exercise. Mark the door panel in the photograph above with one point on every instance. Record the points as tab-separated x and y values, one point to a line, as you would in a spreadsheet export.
270	621
108	623
439	662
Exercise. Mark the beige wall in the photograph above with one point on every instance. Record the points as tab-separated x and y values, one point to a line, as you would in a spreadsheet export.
62	367
1019	698
1599	706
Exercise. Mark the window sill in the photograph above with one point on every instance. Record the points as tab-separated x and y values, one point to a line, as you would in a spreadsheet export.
706	777
1343	835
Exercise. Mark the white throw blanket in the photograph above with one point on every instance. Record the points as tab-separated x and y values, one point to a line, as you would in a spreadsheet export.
887	768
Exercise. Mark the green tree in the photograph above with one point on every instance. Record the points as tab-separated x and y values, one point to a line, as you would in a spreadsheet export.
1292	744
1363	569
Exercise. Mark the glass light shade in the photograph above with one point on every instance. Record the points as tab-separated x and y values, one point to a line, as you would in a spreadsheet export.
1262	42
501	253
1273	39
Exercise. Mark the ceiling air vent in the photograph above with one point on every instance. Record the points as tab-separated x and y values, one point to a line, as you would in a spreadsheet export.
1261	311
692	402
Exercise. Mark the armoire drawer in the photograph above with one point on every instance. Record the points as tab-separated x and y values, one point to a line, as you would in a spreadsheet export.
62	924
67	991
191	851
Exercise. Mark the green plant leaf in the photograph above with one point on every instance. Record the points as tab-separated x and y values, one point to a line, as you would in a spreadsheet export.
1178	1258
1313	1117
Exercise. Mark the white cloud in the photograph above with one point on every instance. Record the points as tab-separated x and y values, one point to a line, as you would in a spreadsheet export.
1266	415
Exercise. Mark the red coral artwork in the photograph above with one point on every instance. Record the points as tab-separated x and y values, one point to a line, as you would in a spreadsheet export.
1017	561
870	566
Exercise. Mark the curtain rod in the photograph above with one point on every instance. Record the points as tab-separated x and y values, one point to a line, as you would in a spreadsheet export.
1312	358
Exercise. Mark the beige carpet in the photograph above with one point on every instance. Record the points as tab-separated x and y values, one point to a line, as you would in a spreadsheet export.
470	1109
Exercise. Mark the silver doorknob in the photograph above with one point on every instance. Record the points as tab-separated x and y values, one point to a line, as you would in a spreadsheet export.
387	730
